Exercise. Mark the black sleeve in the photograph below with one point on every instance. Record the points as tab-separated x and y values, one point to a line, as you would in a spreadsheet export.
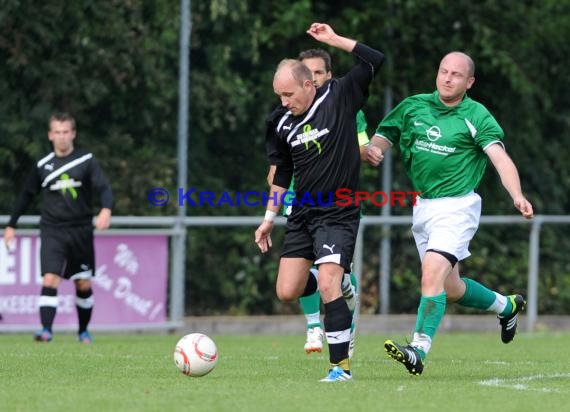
369	56
271	138
30	190
362	74
101	185
277	151
283	175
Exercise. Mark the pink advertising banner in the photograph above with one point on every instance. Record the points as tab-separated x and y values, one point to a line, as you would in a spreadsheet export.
129	287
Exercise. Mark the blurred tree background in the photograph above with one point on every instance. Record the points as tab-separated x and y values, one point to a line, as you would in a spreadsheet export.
114	65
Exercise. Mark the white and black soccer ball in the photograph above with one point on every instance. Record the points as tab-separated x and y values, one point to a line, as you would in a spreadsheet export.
195	355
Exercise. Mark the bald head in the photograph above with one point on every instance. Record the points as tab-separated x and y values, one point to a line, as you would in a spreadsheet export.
293	68
458	56
454	77
293	83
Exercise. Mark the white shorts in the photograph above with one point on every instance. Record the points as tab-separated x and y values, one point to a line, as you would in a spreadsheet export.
446	224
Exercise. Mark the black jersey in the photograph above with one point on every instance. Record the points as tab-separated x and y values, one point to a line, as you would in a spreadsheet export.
67	185
319	147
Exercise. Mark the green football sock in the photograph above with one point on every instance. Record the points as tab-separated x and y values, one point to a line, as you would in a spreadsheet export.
476	295
430	313
354	282
311	305
480	297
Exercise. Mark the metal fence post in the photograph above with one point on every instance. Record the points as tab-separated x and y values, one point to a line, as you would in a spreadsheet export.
532	284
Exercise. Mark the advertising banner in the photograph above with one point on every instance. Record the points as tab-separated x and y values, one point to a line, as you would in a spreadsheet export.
130	285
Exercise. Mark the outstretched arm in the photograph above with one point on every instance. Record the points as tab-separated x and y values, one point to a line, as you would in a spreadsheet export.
509	178
325	34
361	74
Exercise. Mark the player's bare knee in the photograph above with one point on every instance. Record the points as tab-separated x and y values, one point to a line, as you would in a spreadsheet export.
329	287
326	290
428	280
51	280
287	294
83	284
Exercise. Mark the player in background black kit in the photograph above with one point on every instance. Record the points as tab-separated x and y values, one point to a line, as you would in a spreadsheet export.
312	137
67	179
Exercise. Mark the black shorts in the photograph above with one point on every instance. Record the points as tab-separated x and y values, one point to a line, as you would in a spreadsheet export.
322	234
68	251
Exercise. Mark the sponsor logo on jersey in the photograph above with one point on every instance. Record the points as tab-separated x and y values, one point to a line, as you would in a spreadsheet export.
433	133
66	184
434	148
309	135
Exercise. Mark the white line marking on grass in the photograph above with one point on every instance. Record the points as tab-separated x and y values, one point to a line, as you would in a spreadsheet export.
520	383
493	362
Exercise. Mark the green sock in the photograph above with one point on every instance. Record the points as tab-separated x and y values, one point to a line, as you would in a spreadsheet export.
476	295
430	313
310	305
480	297
354	282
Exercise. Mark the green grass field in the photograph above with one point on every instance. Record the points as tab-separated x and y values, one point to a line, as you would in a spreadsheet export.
464	372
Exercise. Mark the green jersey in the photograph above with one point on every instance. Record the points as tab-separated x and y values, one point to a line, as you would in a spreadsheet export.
442	147
361	127
363	139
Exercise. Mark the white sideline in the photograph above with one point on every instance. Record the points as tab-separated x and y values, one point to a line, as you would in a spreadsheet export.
520	382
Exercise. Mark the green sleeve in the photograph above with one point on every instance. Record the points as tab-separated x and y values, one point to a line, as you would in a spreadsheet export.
487	129
361	126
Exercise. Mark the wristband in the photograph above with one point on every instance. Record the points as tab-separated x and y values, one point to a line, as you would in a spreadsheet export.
270	215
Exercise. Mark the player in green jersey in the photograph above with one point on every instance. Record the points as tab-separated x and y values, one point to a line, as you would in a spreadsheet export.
319	62
446	139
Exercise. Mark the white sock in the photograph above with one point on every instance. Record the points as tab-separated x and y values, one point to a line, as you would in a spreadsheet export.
499	304
315	272
346	282
421	341
313	318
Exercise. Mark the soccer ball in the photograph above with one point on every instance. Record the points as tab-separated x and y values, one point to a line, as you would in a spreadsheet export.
195	355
